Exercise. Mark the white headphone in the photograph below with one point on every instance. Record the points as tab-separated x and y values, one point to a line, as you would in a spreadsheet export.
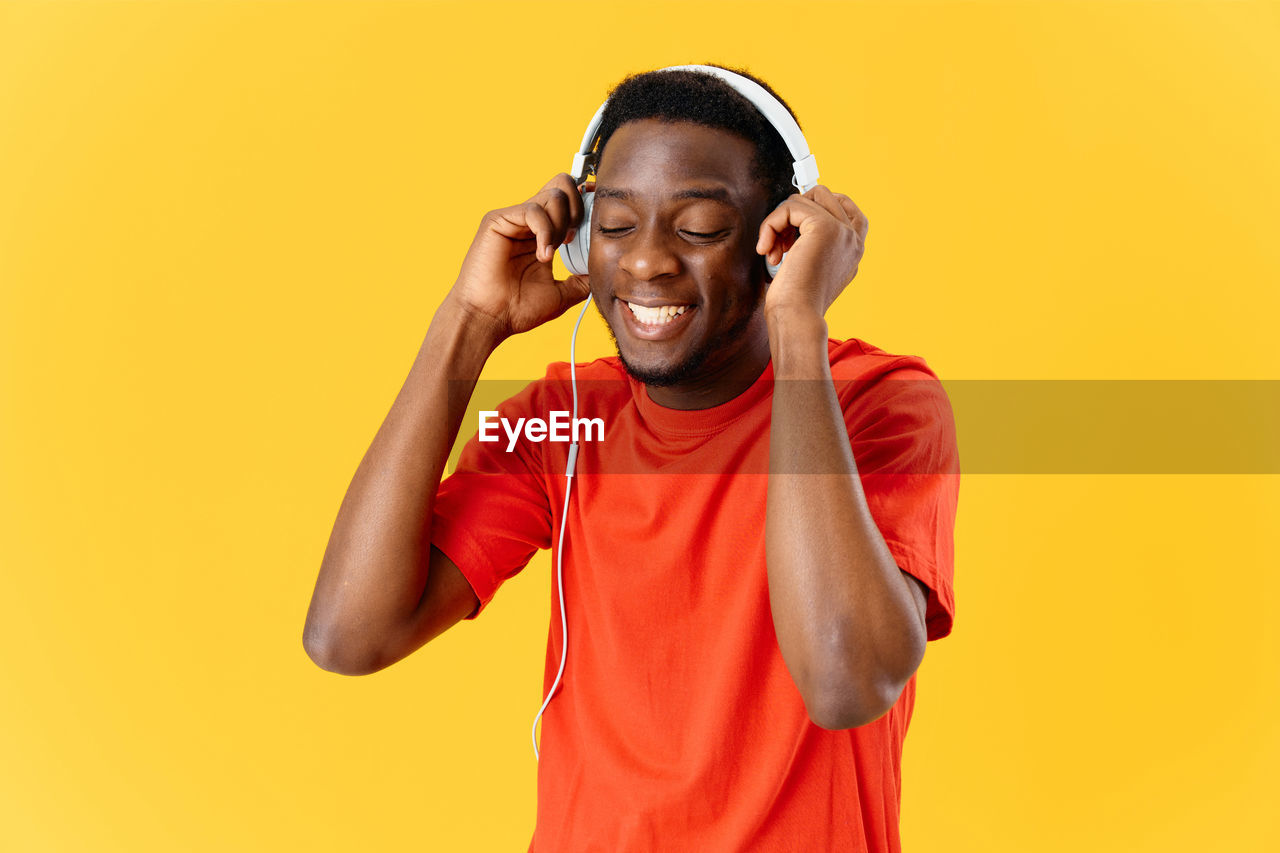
574	253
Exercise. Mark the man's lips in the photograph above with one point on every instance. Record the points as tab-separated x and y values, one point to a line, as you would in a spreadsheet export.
655	319
653	301
655	315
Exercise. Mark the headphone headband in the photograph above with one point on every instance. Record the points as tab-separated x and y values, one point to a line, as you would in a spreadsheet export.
805	168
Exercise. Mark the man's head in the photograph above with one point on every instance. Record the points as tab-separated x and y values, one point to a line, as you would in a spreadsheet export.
687	170
699	98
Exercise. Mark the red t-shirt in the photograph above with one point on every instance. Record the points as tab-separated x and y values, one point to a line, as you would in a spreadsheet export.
677	725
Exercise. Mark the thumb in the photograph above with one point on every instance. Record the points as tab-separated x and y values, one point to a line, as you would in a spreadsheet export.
573	290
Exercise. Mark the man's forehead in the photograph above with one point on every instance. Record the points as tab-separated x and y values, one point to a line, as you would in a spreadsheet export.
676	144
677	160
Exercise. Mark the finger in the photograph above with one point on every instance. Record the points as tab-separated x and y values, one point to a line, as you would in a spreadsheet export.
587	186
562	196
781	243
556	203
781	227
539	222
857	219
527	246
830	203
571	291
562	183
856	216
774	244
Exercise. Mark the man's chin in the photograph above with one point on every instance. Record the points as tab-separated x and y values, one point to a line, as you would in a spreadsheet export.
661	375
650	378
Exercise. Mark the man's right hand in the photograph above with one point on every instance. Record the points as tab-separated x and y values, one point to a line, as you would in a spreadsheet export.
506	280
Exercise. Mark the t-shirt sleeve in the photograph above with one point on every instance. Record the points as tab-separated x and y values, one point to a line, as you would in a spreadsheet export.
493	512
903	437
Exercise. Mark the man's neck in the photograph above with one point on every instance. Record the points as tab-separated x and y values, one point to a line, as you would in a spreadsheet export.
727	376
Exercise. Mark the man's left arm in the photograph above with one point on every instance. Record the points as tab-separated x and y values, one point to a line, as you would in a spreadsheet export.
849	622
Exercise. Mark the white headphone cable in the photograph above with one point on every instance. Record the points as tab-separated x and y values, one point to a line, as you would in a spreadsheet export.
564	518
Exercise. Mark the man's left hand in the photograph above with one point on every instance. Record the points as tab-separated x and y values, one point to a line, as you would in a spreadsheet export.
823	234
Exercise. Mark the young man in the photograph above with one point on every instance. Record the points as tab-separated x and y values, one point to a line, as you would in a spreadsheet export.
757	550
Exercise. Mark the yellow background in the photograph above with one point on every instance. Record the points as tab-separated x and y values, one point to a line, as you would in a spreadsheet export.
225	226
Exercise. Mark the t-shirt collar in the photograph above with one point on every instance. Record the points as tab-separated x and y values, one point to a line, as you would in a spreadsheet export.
701	421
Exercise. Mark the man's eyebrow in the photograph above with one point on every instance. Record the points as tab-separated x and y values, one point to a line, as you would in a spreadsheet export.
719	194
610	192
713	193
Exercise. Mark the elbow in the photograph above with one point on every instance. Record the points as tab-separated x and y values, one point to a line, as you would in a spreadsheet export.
851	699
332	655
841	709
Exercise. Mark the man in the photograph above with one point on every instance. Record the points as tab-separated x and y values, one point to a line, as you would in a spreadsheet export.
755	553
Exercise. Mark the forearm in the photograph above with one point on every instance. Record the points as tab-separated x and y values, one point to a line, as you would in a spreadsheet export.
845	618
374	569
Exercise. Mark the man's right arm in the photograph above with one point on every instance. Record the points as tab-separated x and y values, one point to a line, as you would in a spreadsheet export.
383	590
372	603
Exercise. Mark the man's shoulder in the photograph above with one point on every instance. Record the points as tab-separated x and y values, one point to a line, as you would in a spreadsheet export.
878	389
855	360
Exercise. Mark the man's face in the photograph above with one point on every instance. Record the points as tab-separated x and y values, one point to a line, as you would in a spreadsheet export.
673	265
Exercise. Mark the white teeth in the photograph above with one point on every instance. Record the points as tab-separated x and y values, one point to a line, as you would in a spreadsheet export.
658	316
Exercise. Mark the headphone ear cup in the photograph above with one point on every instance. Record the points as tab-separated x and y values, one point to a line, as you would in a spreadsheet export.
574	253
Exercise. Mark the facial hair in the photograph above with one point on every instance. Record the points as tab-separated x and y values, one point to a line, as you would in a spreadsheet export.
687	369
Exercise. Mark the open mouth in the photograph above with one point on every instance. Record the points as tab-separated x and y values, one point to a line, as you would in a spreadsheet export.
658	315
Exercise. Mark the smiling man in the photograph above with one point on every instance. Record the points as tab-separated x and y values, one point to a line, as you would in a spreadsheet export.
756	551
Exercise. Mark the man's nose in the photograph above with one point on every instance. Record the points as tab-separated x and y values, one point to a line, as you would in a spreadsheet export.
649	255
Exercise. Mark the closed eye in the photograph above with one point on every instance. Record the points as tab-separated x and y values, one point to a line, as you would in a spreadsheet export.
704	236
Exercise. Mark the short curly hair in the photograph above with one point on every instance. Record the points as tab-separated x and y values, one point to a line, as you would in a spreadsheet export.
700	98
